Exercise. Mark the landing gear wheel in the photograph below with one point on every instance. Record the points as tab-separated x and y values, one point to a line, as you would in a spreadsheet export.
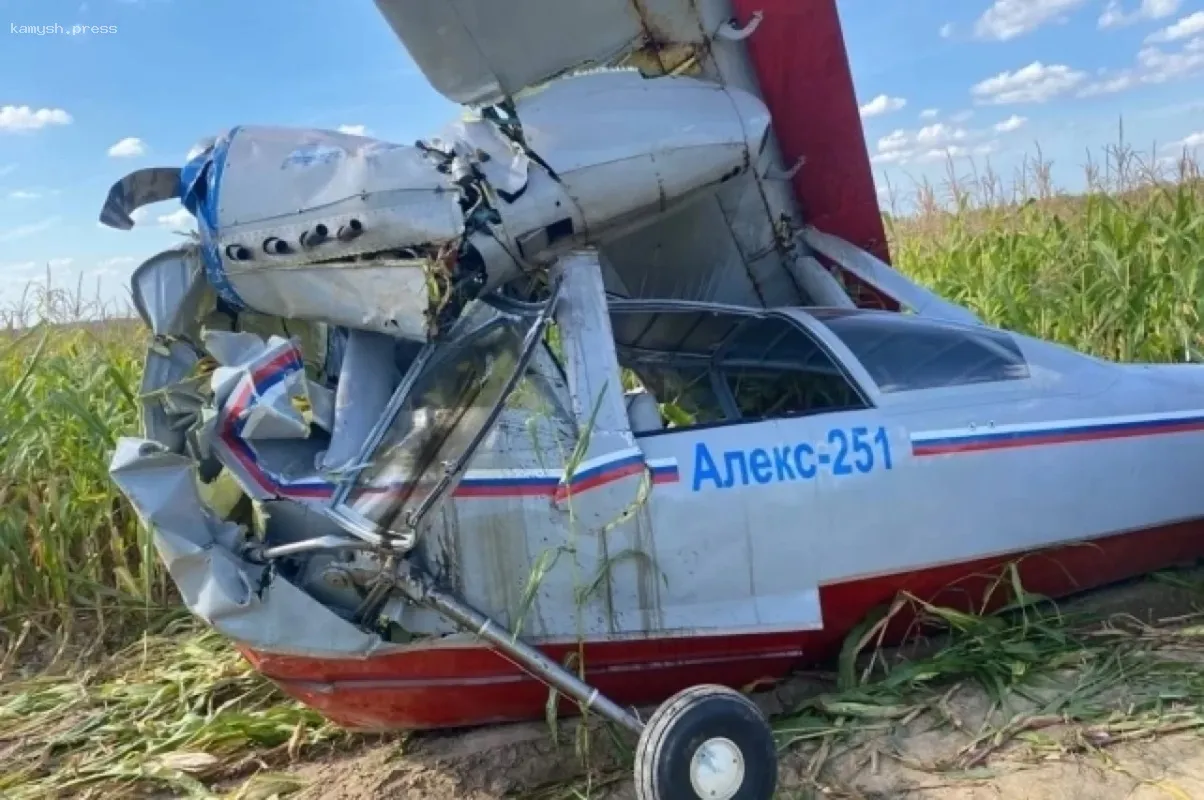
706	743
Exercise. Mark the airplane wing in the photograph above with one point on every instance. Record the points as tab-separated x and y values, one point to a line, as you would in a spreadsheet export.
740	245
481	51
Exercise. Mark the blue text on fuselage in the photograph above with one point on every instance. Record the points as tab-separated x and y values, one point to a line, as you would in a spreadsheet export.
844	451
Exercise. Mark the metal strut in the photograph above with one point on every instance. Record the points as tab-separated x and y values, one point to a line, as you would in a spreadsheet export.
419	587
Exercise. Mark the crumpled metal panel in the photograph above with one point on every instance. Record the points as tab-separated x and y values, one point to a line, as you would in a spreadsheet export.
171	405
199	551
140	188
168	290
368	375
265	407
308	175
260	188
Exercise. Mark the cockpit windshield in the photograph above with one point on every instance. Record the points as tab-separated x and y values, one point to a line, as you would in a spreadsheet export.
905	352
438	417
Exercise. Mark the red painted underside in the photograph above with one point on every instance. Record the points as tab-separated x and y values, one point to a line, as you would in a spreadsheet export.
799	56
445	687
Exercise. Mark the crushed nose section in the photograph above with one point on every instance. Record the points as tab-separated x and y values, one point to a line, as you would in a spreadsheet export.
320	225
396	239
281	489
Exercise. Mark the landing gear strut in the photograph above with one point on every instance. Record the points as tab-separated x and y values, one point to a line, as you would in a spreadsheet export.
705	743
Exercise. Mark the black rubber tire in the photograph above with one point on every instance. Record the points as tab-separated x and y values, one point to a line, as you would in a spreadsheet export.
686	720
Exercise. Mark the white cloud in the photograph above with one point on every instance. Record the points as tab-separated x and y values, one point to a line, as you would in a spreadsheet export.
961	116
1126	79
940	153
1114	15
1036	83
24	118
1154	65
929	143
1012	123
1192	140
31	229
946	30
177	219
138	215
1007	19
1189	26
55	263
1157	9
129	147
17	267
929	113
7	169
939	132
895	140
23	194
353	130
117	261
882	105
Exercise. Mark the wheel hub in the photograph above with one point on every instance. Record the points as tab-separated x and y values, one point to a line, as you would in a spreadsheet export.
717	769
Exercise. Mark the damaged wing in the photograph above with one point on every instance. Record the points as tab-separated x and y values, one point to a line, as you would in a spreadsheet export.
478	52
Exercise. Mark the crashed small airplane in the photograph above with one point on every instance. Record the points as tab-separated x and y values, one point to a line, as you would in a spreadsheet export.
595	390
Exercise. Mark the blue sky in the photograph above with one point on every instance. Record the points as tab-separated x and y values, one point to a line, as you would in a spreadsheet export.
972	79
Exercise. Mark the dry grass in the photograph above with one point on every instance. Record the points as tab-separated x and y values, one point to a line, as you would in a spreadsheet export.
179	711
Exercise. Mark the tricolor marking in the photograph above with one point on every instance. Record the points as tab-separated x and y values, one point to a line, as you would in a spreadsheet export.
1004	437
276	369
483	483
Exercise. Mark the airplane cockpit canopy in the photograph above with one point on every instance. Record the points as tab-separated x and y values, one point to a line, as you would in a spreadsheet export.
710	363
906	352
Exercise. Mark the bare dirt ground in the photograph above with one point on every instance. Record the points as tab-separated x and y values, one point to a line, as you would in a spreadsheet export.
936	750
1168	767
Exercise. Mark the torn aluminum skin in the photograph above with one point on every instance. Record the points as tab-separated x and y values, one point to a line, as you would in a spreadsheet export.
352	231
248	460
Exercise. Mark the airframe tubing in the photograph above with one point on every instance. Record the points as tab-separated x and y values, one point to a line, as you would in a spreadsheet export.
421	590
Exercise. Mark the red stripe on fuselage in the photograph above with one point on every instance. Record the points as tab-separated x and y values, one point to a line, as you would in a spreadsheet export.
1037	439
599	479
473	685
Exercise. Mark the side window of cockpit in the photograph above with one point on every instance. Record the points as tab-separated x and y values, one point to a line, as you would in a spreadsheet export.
905	353
776	370
685	395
